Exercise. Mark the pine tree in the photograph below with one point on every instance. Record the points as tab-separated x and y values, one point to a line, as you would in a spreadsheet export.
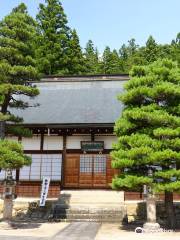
129	55
91	58
111	62
148	132
76	60
17	64
53	38
12	155
151	52
175	49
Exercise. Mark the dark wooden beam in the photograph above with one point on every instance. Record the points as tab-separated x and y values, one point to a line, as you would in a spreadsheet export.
43	151
18	170
63	166
42	142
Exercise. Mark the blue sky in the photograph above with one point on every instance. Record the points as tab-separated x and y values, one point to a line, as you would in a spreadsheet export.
114	22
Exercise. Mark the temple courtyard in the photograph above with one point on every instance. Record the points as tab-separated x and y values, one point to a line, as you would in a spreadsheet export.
79	231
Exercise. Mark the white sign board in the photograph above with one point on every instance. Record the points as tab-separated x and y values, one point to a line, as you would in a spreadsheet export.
44	191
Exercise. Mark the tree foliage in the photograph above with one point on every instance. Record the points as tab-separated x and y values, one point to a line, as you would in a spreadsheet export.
17	64
92	63
17	68
149	129
58	47
53	36
12	155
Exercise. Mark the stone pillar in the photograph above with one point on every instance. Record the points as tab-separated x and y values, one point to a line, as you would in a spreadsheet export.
151	214
8	195
8	209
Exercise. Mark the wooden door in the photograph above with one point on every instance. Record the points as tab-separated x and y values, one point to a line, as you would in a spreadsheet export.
88	171
72	171
92	170
99	170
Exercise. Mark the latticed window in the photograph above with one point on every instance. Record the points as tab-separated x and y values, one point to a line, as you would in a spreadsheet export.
92	163
100	164
86	162
43	165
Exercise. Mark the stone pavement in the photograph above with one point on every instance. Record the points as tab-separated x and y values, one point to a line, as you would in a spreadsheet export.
65	231
19	238
80	231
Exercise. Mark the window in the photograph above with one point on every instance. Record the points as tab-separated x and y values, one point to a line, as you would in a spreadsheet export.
95	163
99	164
43	165
86	163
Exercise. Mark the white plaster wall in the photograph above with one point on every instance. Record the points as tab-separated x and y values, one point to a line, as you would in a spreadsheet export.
74	142
12	138
108	140
31	143
53	142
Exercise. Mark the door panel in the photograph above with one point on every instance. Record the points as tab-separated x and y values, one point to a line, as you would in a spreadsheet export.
88	171
99	177
72	171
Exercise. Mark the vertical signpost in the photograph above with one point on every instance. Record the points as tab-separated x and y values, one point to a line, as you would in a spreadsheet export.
44	191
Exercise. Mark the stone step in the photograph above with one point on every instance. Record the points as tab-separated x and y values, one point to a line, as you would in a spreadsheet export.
92	196
92	192
89	220
87	211
90	216
90	205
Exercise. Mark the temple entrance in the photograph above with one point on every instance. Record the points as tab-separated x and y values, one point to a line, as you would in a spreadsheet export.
88	171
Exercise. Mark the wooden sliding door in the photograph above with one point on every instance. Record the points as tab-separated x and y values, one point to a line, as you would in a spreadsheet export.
88	171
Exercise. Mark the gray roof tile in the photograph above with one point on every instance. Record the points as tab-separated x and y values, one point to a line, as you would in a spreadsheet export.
74	103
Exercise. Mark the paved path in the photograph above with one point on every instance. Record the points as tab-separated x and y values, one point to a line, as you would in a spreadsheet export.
78	231
20	238
74	231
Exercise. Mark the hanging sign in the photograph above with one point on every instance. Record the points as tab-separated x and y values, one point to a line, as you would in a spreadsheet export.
88	146
44	191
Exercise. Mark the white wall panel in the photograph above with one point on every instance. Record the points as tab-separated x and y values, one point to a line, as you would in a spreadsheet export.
12	138
31	143
74	142
108	140
53	142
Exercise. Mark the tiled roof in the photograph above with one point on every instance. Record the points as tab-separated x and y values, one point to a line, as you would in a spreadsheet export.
74	102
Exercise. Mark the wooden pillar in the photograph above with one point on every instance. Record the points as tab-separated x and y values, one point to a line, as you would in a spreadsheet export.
18	170
42	142
63	166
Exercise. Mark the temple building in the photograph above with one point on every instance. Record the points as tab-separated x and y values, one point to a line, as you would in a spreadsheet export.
72	124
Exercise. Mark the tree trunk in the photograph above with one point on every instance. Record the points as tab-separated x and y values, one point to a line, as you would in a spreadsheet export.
170	211
5	104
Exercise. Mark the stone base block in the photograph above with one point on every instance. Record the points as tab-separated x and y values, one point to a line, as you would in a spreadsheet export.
151	226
